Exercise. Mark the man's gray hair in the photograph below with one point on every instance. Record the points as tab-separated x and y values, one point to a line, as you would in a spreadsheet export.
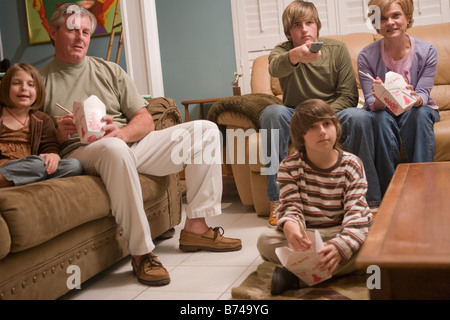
59	17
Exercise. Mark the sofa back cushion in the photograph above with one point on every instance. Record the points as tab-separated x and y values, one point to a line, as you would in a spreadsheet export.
438	35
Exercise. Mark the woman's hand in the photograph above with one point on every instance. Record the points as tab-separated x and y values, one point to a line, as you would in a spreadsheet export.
330	260
51	161
378	104
419	99
295	237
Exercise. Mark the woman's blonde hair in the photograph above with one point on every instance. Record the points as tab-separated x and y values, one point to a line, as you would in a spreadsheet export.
406	5
299	11
5	85
305	115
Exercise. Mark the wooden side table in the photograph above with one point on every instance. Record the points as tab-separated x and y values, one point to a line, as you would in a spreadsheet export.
410	238
201	102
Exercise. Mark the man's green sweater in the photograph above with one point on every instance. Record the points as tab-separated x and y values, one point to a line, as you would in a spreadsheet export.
331	78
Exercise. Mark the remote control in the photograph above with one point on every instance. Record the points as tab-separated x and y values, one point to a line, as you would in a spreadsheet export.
315	47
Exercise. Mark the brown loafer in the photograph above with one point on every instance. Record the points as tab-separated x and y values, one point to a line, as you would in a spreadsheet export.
150	271
211	240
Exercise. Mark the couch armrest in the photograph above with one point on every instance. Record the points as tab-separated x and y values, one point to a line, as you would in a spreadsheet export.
249	105
164	111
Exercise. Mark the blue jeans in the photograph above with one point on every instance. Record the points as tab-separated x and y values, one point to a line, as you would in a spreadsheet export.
32	169
363	133
408	138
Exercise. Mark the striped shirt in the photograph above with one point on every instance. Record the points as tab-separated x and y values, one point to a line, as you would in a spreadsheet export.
326	198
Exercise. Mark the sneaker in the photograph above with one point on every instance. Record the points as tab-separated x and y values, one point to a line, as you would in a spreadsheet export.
211	240
274	205
283	280
150	271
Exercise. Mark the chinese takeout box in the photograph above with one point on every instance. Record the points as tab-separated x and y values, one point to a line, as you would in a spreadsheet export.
88	119
394	93
303	264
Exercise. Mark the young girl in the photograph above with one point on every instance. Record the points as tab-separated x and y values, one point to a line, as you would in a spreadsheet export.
323	188
28	144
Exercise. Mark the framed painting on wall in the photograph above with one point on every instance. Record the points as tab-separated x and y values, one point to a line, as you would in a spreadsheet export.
39	13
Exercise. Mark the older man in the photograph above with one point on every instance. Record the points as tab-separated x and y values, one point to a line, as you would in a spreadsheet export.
131	145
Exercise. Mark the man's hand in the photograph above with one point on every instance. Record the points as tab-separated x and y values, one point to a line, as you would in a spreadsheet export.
138	127
294	235
303	55
66	127
111	130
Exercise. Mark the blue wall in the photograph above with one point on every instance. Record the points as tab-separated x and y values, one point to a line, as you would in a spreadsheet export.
196	41
197	50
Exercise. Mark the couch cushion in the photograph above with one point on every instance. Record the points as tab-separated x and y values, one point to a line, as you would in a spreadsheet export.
5	239
437	35
442	136
74	201
38	212
441	94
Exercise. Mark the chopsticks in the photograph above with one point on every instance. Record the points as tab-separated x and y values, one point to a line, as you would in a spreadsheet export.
367	75
62	108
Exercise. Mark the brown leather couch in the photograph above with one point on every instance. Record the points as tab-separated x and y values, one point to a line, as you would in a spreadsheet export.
251	184
48	226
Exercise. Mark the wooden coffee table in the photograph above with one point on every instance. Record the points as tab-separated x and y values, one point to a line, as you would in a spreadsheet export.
410	238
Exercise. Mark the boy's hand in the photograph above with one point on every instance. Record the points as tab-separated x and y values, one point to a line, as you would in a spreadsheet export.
303	55
330	260
295	237
51	161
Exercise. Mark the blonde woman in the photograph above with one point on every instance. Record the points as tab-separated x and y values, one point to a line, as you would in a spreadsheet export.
416	61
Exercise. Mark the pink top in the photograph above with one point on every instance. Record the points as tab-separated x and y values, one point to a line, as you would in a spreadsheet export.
402	66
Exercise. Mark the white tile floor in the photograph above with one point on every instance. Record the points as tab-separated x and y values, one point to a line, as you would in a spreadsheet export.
194	276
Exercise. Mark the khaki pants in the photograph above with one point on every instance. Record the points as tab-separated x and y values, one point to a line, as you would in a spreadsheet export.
272	238
193	146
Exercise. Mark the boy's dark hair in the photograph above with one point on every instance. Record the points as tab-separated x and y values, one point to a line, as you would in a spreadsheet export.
306	114
5	85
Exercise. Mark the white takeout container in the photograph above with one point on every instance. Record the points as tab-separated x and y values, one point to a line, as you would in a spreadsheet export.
394	93
88	119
